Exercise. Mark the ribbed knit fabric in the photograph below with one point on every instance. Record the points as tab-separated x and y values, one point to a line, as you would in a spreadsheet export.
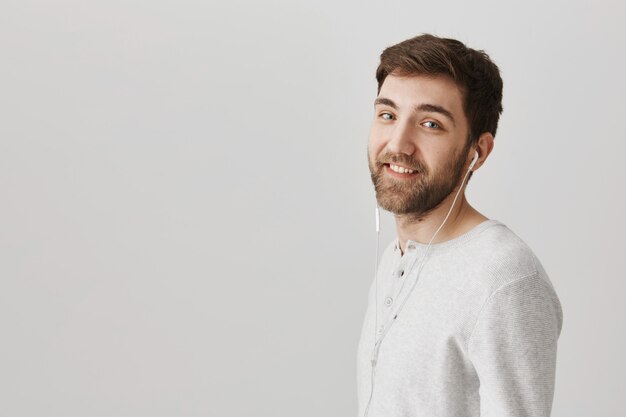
477	337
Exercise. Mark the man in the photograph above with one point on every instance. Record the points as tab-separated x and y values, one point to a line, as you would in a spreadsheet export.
462	319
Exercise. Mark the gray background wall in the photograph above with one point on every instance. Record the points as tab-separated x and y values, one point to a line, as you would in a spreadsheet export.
186	215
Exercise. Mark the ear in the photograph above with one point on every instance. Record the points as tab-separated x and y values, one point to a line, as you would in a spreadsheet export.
484	146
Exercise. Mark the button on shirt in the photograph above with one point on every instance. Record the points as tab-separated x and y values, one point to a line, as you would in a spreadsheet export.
395	286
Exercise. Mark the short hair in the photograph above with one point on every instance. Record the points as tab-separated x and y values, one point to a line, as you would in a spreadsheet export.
474	73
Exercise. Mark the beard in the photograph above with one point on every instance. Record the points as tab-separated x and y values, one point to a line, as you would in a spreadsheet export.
422	194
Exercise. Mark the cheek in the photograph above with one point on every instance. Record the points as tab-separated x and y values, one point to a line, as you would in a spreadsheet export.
373	152
375	143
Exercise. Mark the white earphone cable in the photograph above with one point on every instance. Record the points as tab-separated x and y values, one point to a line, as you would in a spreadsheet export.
377	343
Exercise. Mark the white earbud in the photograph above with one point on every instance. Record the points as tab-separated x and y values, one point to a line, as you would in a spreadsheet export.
473	161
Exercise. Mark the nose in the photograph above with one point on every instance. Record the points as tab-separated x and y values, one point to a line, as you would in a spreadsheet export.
401	139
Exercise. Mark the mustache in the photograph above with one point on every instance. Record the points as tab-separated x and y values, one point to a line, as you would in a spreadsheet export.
401	159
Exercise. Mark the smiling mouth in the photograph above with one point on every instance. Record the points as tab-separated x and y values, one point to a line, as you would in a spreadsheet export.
400	171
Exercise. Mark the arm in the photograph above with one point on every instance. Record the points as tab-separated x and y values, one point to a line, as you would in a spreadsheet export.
513	348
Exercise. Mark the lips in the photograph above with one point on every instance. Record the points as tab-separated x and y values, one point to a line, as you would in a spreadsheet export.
398	171
401	169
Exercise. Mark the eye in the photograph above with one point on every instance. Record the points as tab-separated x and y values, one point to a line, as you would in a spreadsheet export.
386	116
431	125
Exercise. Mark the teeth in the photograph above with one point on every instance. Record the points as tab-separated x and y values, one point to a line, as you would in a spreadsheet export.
400	169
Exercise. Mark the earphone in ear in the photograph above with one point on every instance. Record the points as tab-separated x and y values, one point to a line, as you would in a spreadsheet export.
473	161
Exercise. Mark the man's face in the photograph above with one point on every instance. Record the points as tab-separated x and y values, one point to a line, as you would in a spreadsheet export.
419	125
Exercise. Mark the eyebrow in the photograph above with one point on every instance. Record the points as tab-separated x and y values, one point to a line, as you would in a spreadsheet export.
434	108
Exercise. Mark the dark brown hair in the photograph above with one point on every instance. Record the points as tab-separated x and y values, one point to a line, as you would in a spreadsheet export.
475	74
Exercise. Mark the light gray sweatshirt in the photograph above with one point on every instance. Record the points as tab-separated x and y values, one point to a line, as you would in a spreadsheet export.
477	336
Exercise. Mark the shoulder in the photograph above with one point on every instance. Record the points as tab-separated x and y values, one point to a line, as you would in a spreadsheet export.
497	250
498	257
508	277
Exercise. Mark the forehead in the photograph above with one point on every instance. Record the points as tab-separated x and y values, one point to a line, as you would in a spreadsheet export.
410	91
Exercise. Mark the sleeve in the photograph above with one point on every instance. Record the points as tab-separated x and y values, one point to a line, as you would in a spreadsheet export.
513	348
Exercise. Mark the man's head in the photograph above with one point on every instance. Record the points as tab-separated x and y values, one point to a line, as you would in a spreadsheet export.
437	102
473	72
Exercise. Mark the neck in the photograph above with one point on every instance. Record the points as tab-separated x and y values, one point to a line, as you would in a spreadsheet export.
421	228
